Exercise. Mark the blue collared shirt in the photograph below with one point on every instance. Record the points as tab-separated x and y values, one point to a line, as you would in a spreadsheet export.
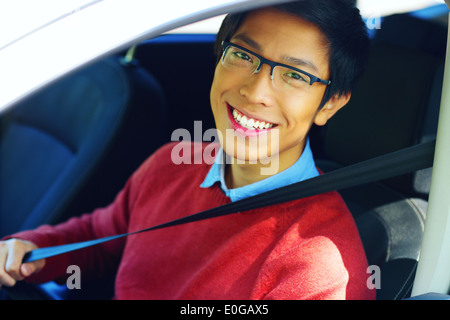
304	168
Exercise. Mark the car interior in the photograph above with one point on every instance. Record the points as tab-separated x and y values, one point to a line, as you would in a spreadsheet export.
70	148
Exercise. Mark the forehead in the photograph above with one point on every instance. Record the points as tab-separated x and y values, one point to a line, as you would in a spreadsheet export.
282	22
276	35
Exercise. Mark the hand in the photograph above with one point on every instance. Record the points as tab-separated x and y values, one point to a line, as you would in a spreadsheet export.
12	269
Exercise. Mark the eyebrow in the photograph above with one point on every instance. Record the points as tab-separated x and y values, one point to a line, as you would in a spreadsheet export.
300	62
287	59
249	41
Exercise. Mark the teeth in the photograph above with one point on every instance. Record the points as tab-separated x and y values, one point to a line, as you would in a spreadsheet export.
244	121
250	123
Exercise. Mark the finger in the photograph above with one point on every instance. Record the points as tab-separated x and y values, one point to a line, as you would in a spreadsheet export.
27	269
13	263
5	278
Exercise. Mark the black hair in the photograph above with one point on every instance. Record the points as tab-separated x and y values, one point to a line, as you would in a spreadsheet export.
341	23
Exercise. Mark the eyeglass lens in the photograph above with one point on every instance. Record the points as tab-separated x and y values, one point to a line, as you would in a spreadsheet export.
283	78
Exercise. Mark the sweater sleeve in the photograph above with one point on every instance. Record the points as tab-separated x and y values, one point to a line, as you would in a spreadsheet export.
96	260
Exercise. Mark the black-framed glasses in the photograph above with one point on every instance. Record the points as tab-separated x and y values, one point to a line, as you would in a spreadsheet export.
284	77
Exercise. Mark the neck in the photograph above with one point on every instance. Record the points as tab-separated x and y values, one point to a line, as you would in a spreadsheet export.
238	174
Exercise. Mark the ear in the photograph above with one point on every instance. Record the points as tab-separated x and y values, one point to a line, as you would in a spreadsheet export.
334	104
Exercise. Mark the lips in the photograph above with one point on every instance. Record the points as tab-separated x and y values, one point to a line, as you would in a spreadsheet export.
247	125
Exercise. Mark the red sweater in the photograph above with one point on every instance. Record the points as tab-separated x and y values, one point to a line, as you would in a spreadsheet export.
303	249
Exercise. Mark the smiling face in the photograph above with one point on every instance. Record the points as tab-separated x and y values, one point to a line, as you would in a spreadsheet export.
248	107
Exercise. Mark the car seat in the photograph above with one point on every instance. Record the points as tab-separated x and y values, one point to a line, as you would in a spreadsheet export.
55	142
395	105
70	147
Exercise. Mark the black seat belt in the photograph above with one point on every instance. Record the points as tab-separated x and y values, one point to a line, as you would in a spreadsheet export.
393	164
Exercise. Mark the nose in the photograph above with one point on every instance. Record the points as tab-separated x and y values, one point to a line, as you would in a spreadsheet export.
258	88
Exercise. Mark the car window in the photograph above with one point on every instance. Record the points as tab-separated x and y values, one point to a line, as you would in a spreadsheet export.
387	7
370	10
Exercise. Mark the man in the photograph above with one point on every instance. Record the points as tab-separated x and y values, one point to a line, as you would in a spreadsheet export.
280	70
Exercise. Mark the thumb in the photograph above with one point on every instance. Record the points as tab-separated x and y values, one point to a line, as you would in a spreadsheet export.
29	268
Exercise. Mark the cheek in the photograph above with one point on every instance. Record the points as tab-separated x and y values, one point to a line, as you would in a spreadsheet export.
214	85
224	80
218	108
295	116
218	86
215	96
301	111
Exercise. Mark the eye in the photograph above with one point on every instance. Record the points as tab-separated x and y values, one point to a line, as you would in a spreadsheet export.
294	78
239	58
292	75
243	56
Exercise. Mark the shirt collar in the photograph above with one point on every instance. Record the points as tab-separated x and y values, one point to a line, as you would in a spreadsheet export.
304	168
